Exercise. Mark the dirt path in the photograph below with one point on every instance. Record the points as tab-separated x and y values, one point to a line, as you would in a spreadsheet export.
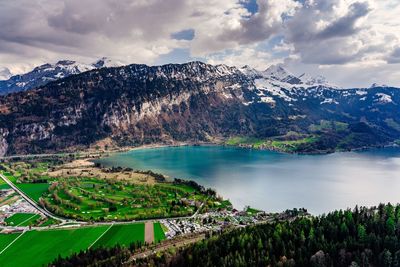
148	232
166	245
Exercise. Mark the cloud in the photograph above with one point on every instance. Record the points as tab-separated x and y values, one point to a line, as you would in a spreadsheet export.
268	20
345	26
242	56
394	57
315	34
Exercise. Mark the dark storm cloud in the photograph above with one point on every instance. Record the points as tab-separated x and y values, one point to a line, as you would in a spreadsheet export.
345	25
394	57
331	43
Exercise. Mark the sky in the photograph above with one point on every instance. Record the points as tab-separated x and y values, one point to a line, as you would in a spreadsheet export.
353	43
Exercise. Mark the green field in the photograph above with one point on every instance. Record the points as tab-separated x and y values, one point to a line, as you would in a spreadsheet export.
33	190
10	177
4	185
123	235
22	219
6	239
274	144
158	233
49	221
37	248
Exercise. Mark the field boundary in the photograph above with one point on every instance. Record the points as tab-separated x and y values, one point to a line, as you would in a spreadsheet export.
27	219
149	232
101	236
12	242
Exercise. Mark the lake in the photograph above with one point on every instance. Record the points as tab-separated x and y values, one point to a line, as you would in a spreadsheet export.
275	181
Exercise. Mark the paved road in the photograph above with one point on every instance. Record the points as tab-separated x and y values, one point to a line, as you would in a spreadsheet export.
30	201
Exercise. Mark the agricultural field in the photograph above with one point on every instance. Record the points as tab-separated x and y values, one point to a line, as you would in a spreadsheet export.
34	190
122	235
22	219
288	143
3	185
158	233
93	199
6	239
37	248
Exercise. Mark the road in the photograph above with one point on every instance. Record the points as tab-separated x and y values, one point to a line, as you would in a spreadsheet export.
164	246
30	201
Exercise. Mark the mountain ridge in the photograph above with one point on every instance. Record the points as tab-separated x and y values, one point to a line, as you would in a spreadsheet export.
48	72
197	102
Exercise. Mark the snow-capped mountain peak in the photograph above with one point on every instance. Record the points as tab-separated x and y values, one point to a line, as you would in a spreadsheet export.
50	72
105	62
278	73
318	80
375	85
250	72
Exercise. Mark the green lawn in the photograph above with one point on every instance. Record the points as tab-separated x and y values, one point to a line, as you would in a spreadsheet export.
123	235
6	239
49	221
10	177
33	190
21	219
37	248
158	232
3	185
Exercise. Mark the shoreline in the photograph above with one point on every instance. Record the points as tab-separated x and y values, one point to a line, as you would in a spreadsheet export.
90	153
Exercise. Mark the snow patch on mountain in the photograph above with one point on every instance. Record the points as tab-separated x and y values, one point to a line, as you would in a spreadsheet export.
375	85
329	101
383	98
265	85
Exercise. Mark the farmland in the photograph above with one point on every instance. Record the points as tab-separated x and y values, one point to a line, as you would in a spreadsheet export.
22	219
122	235
158	232
33	190
41	247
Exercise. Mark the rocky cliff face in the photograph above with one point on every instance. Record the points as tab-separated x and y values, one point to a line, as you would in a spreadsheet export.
139	104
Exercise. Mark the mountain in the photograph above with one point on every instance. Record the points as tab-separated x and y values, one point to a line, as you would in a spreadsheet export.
195	102
48	72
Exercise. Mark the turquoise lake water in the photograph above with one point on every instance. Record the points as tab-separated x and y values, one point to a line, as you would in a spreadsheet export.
275	181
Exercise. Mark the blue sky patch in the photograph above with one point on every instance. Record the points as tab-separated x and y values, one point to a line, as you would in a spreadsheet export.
187	34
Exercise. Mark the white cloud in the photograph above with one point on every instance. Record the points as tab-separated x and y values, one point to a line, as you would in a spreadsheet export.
335	37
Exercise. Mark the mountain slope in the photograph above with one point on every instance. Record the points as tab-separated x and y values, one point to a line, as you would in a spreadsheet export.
195	101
